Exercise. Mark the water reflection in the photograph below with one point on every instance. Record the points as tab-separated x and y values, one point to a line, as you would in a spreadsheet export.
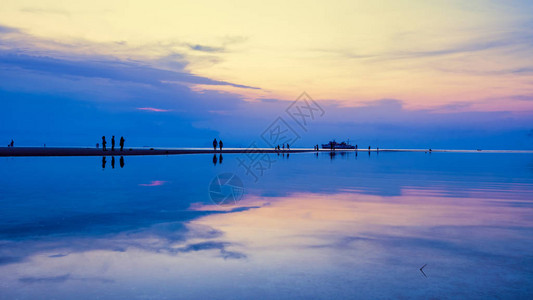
104	162
327	228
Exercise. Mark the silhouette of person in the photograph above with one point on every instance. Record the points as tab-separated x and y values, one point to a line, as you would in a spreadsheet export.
220	159
355	147
103	162
97	145
113	143
220	144
104	143
112	162
122	162
12	143
122	140
215	160
215	143
368	148
288	147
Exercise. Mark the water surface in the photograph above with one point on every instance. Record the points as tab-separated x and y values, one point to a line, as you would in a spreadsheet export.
311	226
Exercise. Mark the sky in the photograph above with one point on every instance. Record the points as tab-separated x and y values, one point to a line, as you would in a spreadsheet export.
393	74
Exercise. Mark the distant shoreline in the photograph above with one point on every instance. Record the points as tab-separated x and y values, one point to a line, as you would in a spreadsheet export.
80	151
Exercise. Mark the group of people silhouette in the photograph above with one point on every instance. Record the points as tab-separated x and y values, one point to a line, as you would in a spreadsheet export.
283	147
104	143
219	144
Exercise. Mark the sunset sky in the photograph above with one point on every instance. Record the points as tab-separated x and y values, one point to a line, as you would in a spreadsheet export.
448	74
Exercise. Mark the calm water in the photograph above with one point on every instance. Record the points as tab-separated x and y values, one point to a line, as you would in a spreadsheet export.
310	227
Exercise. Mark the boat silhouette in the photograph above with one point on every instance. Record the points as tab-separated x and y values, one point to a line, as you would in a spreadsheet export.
334	145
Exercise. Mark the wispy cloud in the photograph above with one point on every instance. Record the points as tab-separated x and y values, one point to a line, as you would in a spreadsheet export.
206	48
153	183
49	279
108	68
61	278
62	59
153	109
7	29
40	10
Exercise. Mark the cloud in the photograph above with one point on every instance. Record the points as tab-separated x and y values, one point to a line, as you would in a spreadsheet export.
57	255
205	48
153	183
109	68
5	260
37	10
153	109
51	279
61	278
6	29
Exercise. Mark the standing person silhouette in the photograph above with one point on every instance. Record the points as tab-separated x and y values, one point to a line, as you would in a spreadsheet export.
113	143
122	140
220	144
104	143
288	147
283	147
215	143
12	143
